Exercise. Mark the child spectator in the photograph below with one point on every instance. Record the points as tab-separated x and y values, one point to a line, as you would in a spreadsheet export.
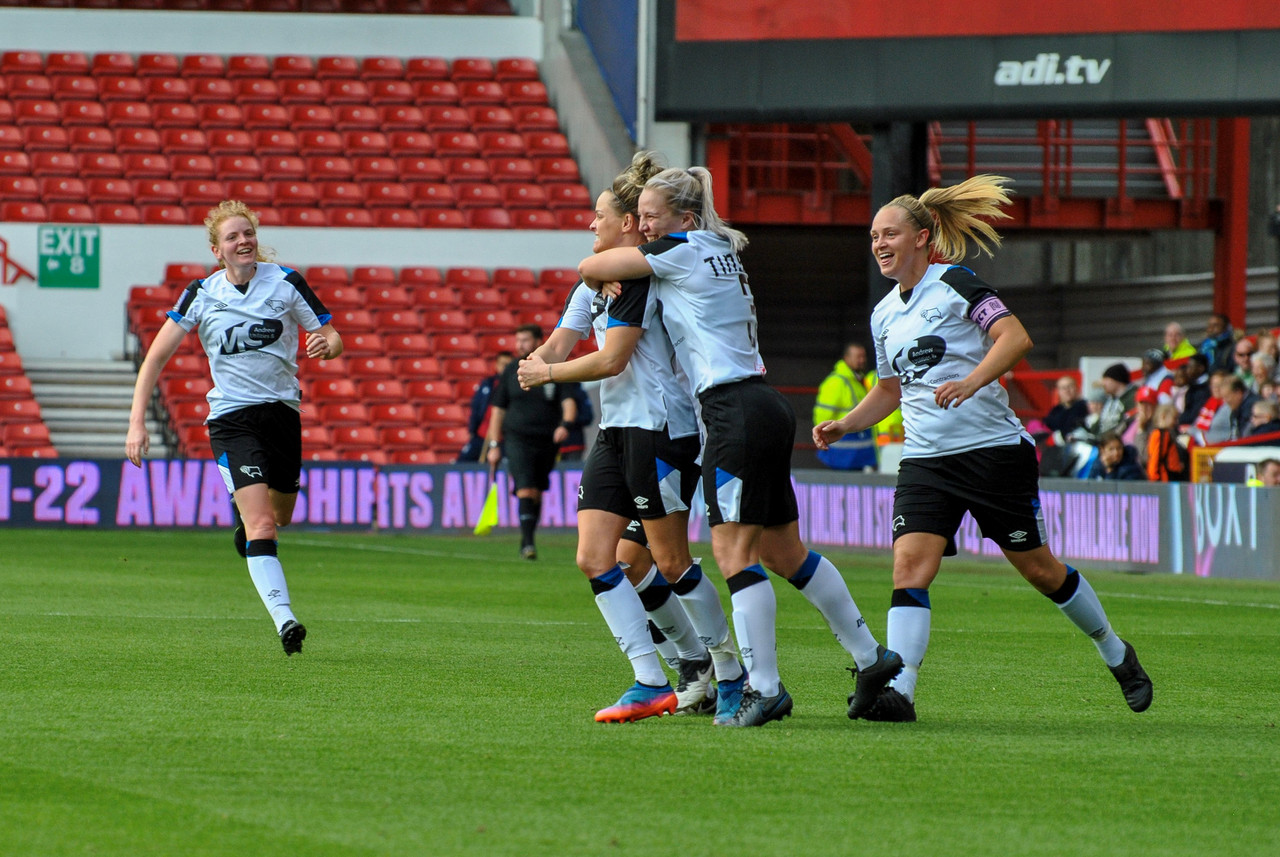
1116	461
1167	460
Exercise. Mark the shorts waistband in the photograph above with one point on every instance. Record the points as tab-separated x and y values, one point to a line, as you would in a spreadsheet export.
719	388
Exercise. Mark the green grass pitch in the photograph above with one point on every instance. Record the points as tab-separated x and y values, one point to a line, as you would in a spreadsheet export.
443	706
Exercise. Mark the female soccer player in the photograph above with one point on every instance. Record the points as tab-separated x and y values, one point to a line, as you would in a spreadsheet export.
943	338
639	478
248	314
691	262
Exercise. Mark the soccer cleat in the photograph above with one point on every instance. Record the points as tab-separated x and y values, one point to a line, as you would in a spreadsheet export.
693	689
869	682
291	636
757	710
891	707
729	698
528	552
640	701
1134	681
238	536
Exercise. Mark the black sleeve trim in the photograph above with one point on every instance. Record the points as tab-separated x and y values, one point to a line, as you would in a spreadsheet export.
628	308
663	244
299	282
188	297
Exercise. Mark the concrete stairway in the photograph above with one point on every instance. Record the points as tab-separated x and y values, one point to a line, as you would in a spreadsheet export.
86	406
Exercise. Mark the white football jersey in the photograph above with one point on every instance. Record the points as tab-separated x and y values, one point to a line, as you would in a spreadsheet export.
646	394
706	306
935	333
251	337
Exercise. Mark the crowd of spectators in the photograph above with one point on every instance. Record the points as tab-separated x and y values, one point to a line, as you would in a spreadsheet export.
1142	424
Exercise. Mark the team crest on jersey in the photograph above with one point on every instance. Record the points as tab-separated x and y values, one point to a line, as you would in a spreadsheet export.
912	361
251	335
275	305
931	314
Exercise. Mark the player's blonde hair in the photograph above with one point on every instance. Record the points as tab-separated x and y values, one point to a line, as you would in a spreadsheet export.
690	190
953	215
630	182
226	210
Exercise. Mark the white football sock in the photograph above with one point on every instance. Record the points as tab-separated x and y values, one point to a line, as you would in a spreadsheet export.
754	617
268	578
827	591
671	619
1085	612
624	614
908	635
706	614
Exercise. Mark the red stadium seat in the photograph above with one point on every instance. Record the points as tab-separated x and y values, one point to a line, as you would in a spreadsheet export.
354	320
413	368
517	169
293	65
338	194
206	192
75	88
21	62
62	189
432	195
146	165
397	218
366	143
67	63
106	64
301	91
456	344
221	116
525	92
303	216
164	89
311	117
426	68
191	166
175	141
157	65
257	90
346	91
516	195
446	440
13	163
346	437
569	218
376	169
445	413
489	218
29	86
212	89
15	387
443	218
402	436
238	167
229	141
329	169
81	113
283	168
109	191
135	114
347	412
256	194
320	143
115	212
21	188
401	117
411	144
385	92
327	275
37	112
19	411
514	278
259	117
164	215
375	390
203	65
54	164
431	91
248	65
444	118
45	138
536	118
488	321
431	390
275	141
337	67
317	437
478	195
515	68
399	320
534	218
357	117
83	139
350	218
296	194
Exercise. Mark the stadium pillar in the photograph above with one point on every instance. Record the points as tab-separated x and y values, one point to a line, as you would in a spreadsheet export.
1231	239
898	165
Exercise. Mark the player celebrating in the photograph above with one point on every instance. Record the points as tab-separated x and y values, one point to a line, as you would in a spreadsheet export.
708	311
642	466
943	339
248	314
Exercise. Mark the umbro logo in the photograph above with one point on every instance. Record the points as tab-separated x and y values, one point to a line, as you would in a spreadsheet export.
218	307
1018	536
641	502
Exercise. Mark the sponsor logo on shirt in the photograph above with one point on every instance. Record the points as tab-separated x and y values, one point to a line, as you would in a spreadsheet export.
251	336
912	361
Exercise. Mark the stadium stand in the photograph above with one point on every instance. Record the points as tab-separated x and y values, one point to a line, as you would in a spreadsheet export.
472	134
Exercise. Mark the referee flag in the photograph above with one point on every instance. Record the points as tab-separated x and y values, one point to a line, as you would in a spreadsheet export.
489	514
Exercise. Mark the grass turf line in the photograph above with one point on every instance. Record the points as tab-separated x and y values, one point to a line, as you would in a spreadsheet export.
443	702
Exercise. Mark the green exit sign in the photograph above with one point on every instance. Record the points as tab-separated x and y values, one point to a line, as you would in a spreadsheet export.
69	257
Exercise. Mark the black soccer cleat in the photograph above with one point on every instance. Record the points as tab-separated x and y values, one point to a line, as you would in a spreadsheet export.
757	710
1134	681
869	682
891	706
291	636
238	536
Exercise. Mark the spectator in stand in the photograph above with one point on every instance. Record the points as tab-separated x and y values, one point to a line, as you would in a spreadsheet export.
1213	423
1090	431
838	394
1176	344
1156	376
1262	366
1240	400
1197	368
1069	413
1122	398
1269	473
1265	419
1218	341
529	426
1135	436
478	422
1116	461
1167	459
1243	356
1181	381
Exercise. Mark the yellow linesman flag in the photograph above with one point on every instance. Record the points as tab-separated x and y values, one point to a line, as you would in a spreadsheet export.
489	514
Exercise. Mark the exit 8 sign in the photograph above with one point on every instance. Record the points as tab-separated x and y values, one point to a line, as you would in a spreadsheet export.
69	257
